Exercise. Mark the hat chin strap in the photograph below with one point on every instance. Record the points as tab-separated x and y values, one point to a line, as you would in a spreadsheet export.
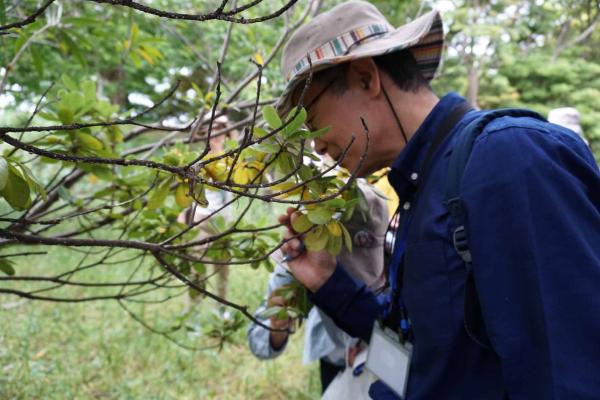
395	114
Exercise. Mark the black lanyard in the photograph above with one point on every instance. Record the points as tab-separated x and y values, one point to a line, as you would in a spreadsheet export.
397	316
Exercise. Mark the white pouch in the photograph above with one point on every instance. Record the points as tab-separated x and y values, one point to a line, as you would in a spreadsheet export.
348	386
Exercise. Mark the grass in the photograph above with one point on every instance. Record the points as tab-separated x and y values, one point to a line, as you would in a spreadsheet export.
96	351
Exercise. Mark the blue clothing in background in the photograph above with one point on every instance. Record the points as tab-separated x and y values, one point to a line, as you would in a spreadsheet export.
532	195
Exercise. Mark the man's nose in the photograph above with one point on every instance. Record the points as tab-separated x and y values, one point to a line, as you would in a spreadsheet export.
320	146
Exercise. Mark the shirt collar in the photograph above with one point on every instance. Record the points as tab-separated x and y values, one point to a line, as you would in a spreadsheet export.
404	172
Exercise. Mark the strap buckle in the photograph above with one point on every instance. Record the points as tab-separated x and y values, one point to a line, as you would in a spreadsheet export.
461	244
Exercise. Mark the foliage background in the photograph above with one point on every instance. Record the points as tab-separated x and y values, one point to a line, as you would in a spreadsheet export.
501	53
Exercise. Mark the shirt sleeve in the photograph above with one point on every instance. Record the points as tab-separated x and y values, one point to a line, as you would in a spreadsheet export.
259	338
532	198
349	303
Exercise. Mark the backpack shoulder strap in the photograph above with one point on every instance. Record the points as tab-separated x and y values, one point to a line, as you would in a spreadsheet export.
474	324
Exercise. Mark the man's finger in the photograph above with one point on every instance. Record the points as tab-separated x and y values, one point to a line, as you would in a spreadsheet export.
292	246
283	219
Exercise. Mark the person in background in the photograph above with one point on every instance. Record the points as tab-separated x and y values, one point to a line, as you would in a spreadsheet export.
216	200
568	117
323	340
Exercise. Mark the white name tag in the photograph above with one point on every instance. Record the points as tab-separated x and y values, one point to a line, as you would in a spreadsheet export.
388	359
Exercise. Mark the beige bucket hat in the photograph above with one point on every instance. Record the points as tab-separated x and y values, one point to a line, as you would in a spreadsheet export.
353	30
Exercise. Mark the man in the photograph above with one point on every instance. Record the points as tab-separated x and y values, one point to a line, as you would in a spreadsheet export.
531	195
323	340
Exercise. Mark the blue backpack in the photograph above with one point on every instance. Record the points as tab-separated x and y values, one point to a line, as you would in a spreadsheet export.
474	324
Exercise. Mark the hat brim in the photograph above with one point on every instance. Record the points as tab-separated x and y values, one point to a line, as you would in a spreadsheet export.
424	37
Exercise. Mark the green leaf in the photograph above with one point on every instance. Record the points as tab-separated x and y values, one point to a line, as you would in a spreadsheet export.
296	123
270	312
3	173
259	132
48	116
349	209
66	115
200	195
317	133
311	156
198	91
316	240
303	302
347	238
88	141
320	215
334	245
301	224
335	203
73	47
286	163
270	115
101	171
305	173
181	196
2	12
136	60
89	90
38	60
69	83
134	33
159	194
268	265
6	266
200	268
138	179
267	147
16	191
32	182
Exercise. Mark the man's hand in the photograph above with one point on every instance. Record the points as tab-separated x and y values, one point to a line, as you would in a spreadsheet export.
312	269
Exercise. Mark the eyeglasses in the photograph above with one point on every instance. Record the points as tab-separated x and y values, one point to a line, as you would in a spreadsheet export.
316	98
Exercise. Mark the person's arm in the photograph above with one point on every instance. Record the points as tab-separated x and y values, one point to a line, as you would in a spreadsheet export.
349	303
533	206
264	343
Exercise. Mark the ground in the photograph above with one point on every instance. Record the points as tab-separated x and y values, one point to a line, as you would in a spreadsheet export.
95	351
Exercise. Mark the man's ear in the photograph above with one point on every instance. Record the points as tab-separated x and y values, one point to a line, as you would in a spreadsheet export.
364	74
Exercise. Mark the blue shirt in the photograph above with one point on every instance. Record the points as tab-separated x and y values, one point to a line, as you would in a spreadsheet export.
532	194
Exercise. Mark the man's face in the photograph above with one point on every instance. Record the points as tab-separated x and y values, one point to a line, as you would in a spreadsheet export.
340	112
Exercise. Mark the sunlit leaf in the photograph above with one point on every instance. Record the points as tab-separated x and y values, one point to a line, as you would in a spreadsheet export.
301	224
66	115
334	245
270	115
88	141
334	228
271	312
181	196
319	215
316	240
135	30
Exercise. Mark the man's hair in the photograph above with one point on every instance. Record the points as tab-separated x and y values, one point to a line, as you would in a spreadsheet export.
400	66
